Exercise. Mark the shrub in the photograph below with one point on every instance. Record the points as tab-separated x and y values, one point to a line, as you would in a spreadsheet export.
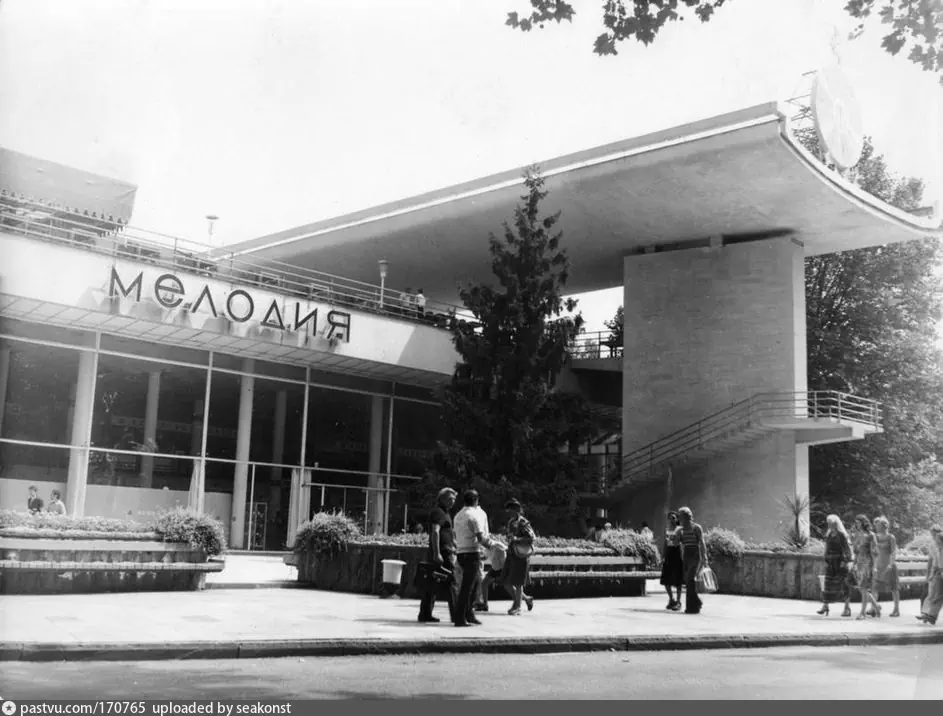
410	539
199	531
627	543
920	544
48	521
326	533
723	544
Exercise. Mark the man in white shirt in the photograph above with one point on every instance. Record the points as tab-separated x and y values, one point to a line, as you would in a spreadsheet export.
420	299
471	530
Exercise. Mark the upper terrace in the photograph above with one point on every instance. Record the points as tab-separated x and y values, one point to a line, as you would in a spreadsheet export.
132	282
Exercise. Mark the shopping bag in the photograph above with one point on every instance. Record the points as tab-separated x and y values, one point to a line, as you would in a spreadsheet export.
707	581
498	556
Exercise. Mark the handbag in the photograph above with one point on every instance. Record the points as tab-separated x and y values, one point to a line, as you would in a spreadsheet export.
523	549
707	580
430	575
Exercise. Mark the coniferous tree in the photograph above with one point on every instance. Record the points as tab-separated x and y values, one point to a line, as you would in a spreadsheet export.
508	428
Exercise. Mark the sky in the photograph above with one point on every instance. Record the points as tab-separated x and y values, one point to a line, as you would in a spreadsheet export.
275	113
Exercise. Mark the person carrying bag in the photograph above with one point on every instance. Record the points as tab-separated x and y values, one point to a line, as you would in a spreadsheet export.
516	571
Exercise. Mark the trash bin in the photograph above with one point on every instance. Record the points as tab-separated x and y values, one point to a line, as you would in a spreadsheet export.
392	576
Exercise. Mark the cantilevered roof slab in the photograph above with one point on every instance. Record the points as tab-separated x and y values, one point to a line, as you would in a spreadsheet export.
738	175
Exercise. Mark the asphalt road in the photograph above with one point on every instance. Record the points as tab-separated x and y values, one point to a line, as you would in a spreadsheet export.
911	672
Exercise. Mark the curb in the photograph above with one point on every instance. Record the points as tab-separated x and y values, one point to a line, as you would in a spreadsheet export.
275	584
12	651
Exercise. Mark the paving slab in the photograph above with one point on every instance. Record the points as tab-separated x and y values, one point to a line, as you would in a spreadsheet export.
227	623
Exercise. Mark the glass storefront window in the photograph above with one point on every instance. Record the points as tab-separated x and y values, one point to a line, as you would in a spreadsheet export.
146	407
417	428
37	407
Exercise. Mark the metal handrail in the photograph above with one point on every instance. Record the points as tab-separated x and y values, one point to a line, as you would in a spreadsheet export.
596	344
113	238
817	405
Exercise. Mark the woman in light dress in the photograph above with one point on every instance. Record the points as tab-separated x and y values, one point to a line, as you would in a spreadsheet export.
865	550
885	564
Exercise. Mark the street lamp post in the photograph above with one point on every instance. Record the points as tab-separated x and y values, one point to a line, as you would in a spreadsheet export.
210	221
383	264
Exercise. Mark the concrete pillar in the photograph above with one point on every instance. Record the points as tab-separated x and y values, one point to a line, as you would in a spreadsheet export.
375	501
706	328
196	431
278	453
4	380
70	410
81	429
150	426
243	439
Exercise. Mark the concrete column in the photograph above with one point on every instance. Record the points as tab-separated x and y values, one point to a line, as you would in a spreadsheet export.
196	432
375	500
243	439
150	426
704	329
70	410
278	453
81	428
4	380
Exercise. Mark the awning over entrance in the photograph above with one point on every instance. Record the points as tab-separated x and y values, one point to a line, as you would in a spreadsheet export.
57	186
741	176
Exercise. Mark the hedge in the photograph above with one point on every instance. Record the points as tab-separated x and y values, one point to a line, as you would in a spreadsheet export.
332	532
173	525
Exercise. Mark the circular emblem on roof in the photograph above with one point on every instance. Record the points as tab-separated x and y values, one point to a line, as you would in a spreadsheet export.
837	117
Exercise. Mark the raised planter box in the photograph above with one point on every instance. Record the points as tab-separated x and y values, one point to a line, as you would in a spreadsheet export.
359	570
796	576
44	565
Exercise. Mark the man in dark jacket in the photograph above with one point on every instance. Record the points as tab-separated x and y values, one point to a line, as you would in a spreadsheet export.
441	552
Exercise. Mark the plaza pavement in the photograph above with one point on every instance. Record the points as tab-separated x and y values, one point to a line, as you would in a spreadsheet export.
246	623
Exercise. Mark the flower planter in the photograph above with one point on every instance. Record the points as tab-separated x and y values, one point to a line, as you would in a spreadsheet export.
782	575
359	570
44	565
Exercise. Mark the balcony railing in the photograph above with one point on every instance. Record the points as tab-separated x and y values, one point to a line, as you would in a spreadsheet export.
764	410
113	238
598	344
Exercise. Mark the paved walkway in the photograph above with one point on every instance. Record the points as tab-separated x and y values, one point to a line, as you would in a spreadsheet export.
229	621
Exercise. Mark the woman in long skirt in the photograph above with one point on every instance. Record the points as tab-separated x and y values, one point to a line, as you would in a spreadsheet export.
516	570
672	568
837	559
885	563
865	551
930	610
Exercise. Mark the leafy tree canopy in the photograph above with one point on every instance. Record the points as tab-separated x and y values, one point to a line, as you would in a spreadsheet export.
914	23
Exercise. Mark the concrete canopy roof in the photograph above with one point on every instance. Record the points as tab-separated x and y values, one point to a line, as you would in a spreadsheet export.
737	175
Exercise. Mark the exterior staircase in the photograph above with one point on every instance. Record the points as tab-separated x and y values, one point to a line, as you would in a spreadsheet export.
816	417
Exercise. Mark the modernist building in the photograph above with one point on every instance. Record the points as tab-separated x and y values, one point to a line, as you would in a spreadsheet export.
264	380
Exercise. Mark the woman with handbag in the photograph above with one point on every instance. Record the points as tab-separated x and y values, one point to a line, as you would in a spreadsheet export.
865	551
516	570
672	568
886	578
835	586
693	557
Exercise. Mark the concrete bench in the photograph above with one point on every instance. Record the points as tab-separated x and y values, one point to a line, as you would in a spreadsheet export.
43	566
602	575
912	571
